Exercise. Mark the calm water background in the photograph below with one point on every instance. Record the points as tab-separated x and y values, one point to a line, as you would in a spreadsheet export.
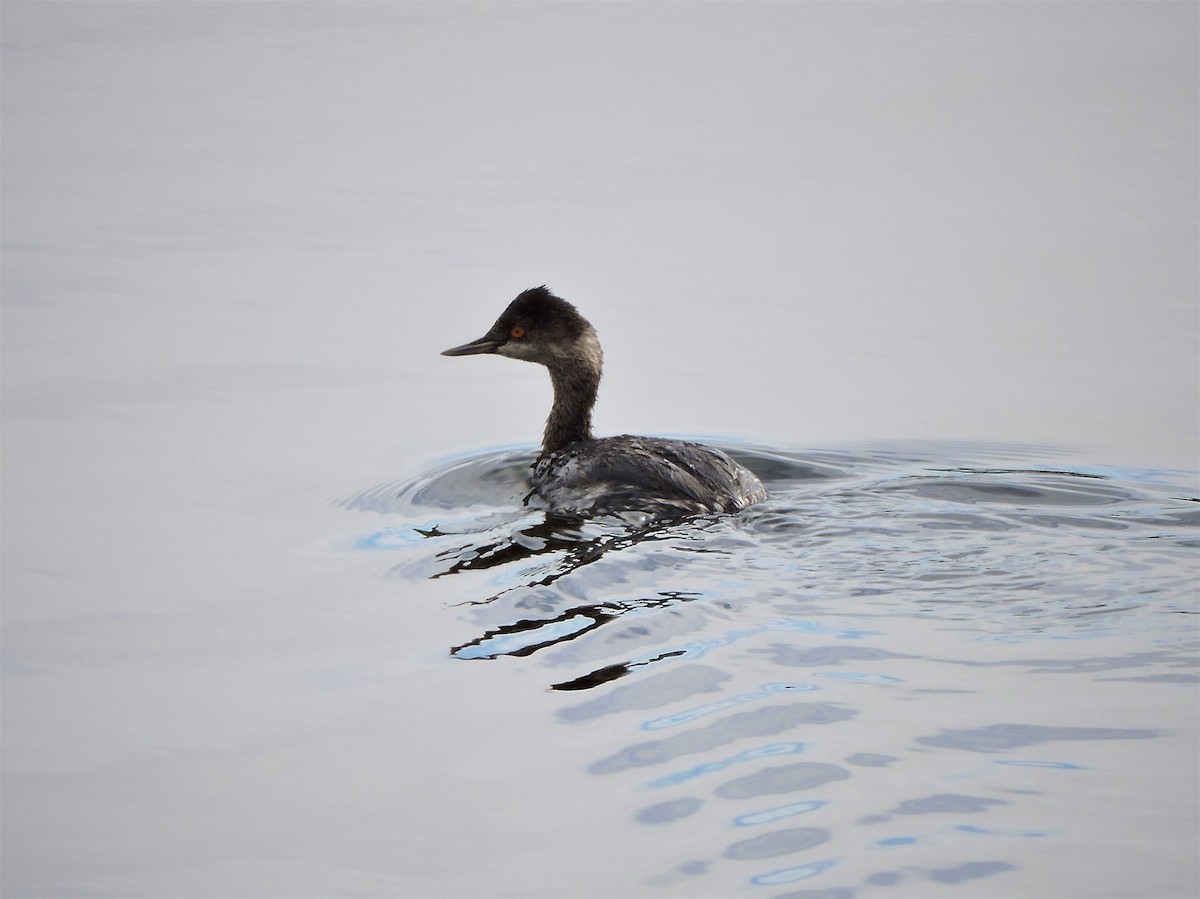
274	619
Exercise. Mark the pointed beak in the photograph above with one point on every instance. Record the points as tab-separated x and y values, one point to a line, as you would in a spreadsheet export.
485	344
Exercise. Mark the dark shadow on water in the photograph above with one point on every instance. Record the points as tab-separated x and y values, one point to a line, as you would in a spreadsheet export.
610	673
550	536
527	636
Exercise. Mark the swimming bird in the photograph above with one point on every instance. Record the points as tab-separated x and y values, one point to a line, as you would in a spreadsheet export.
581	475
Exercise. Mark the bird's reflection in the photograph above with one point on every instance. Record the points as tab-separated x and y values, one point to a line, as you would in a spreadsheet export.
566	545
548	535
577	542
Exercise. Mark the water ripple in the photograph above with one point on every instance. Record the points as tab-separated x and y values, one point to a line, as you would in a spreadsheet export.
884	533
972	630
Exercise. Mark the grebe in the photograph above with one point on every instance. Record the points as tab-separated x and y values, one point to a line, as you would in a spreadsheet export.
578	474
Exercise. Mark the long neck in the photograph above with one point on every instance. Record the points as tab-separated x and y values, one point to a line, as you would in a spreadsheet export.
576	379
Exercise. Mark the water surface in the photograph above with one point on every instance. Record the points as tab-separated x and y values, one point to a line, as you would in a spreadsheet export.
911	669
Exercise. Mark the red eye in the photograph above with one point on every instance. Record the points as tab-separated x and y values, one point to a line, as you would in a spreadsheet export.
517	332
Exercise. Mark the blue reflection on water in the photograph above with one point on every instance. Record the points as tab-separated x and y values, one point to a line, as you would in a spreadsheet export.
387	539
860	676
765	692
503	644
720	764
790	875
783	811
976	829
697	648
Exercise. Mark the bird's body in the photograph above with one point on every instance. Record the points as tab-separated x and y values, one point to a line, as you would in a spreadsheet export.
660	477
577	474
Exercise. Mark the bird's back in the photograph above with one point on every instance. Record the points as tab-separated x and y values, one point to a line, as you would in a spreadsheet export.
659	477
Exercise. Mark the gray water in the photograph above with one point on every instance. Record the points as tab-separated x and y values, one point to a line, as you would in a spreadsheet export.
276	618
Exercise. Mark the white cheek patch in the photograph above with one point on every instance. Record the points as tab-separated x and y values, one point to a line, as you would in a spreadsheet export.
516	349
